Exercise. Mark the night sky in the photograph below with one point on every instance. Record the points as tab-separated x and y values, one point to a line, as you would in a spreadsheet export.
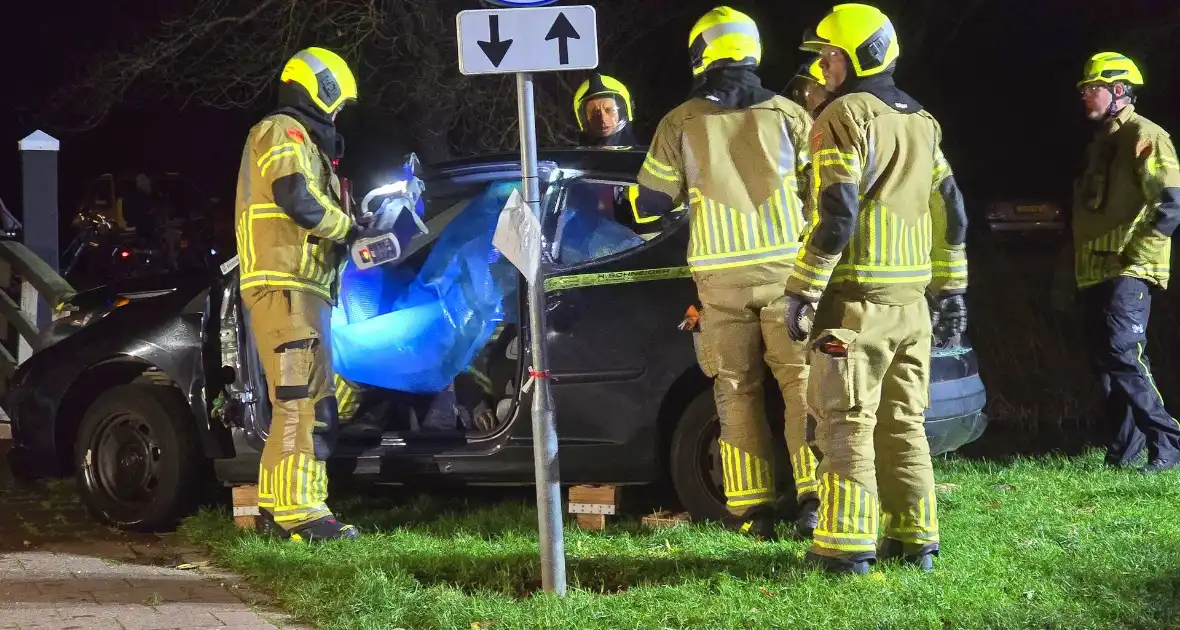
999	75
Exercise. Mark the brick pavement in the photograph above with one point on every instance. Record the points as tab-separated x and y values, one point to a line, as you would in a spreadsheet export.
60	570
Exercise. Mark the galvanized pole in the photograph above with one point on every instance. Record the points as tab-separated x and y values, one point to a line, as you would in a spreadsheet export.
547	471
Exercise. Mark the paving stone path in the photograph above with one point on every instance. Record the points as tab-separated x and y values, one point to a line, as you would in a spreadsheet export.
61	570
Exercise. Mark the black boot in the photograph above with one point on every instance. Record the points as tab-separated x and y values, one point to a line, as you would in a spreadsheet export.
807	519
923	560
1160	464
321	529
757	521
860	565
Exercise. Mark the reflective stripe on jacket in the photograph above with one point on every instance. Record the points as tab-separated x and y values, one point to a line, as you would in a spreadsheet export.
738	169
288	214
1127	203
886	217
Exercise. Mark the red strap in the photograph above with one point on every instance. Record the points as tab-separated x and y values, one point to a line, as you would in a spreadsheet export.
535	374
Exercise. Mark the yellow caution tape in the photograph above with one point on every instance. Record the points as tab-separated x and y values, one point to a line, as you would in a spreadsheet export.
615	277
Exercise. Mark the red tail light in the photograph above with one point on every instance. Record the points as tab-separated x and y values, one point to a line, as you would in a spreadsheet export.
124	253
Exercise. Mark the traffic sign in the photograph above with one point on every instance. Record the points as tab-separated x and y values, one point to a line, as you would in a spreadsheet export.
541	39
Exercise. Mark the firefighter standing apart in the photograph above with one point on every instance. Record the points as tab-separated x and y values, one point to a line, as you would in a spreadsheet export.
1125	212
289	226
887	225
602	107
745	224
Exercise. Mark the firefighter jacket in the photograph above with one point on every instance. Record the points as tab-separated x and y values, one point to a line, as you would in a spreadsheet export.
737	164
288	211
1127	203
886	219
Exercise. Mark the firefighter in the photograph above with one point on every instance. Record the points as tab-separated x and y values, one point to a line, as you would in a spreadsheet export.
289	223
807	88
745	220
1126	209
602	107
887	225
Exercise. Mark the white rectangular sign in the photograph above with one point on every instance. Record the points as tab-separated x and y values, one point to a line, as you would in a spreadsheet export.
544	39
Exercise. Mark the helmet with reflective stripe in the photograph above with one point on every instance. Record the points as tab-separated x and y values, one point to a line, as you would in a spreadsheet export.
324	76
811	72
861	31
724	37
1111	67
601	86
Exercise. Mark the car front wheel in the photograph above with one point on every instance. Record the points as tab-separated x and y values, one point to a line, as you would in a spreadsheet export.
696	460
138	458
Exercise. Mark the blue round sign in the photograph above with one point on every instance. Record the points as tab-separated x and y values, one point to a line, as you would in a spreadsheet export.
520	3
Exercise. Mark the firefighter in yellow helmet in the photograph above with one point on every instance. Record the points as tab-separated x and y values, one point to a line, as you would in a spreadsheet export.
807	88
289	223
602	107
887	225
745	220
1125	211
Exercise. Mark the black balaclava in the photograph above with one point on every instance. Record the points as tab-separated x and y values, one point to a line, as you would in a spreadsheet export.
295	103
732	87
881	86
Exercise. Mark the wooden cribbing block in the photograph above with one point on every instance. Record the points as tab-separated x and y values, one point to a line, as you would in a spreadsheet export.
592	504
245	506
666	519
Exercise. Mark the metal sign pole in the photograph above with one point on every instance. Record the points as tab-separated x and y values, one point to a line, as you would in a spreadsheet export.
545	462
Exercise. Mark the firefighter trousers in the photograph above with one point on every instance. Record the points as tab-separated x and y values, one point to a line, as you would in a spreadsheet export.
1115	316
741	327
291	329
868	391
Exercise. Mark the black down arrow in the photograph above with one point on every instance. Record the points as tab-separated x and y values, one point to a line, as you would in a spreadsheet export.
562	31
495	49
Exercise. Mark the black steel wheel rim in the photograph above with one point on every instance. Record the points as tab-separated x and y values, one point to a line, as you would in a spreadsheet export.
124	459
709	459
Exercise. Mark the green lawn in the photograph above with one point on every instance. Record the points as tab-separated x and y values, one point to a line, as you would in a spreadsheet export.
1047	543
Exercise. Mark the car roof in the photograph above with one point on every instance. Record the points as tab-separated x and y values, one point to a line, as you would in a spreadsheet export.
625	161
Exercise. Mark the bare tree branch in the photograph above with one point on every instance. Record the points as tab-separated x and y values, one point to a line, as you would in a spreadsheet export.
227	54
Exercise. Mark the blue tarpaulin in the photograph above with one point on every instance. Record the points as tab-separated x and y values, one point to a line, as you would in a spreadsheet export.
416	331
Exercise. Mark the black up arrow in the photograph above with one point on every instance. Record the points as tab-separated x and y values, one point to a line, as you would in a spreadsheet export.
562	31
495	49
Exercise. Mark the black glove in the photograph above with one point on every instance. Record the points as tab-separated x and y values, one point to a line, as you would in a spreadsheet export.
800	314
952	314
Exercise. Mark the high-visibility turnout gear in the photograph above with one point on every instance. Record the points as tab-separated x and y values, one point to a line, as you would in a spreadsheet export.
600	86
869	390
745	219
1111	67
323	76
724	37
1126	209
741	322
863	32
887	225
1127	204
289	226
288	211
291	328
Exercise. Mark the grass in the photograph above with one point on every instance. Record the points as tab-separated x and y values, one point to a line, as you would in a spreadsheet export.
1031	543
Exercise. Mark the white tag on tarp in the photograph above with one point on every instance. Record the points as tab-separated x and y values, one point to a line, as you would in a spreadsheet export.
518	236
229	265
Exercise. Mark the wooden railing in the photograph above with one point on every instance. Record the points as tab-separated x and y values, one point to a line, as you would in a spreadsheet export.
38	281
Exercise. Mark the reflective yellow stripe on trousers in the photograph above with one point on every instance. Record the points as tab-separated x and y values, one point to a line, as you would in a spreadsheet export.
749	480
294	491
849	518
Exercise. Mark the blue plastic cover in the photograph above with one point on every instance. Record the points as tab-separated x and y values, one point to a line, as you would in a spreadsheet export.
415	332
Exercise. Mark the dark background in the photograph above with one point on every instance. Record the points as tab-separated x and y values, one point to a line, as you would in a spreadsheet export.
999	75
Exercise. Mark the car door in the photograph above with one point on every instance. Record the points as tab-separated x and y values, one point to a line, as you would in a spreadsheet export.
615	292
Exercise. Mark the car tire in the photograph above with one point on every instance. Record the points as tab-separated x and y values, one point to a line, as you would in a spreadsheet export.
692	459
137	458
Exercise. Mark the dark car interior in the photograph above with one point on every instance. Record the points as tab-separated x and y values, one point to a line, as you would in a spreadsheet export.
481	400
